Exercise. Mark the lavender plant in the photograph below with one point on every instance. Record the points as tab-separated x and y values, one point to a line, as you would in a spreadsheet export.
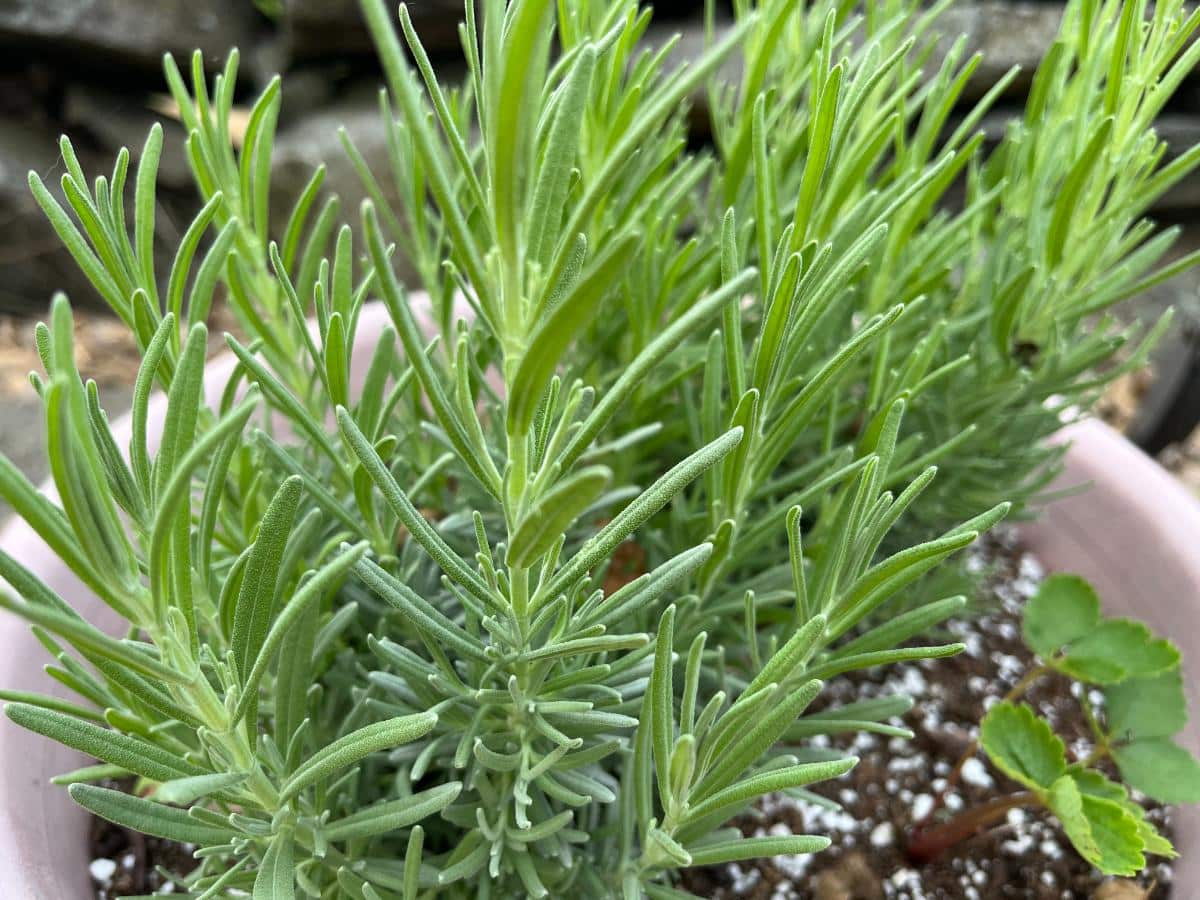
372	650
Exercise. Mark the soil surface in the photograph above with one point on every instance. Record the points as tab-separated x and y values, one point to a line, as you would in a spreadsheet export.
873	807
128	863
1025	858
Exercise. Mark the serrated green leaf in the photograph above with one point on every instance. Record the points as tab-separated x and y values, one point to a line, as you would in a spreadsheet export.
1146	707
1091	782
1159	768
1117	649
1023	746
1101	830
1064	609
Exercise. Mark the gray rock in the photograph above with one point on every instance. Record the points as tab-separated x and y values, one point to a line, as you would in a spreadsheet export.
115	119
132	33
325	28
33	263
23	437
313	139
1006	33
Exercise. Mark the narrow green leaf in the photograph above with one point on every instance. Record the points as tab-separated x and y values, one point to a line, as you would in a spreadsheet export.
148	817
276	879
554	512
130	753
424	533
756	847
561	327
392	815
185	791
311	590
347	750
601	545
255	604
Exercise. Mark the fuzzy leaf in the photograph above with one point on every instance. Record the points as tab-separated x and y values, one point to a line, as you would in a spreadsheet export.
184	791
753	848
562	326
276	878
358	744
256	600
392	815
554	512
131	753
147	816
601	545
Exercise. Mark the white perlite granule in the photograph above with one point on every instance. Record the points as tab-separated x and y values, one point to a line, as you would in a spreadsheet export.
102	870
975	773
883	835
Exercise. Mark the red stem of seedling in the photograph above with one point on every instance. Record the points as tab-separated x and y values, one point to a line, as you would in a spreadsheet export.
939	800
929	842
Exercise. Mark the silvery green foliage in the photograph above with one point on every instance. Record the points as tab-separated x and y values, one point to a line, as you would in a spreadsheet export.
374	650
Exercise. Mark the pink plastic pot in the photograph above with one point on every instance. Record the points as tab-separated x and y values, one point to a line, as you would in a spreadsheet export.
1134	534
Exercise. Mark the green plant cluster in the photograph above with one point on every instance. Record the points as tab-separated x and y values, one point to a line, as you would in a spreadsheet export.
1143	708
373	647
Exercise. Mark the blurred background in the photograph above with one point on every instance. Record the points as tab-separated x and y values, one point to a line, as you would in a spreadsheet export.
92	69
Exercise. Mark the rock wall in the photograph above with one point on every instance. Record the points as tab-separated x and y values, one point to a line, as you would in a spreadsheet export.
92	69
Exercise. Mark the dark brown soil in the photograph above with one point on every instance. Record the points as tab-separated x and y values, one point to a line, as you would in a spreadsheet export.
1025	858
125	863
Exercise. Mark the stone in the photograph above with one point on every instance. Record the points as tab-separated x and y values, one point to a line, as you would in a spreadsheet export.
1120	889
330	28
1006	33
33	263
112	119
313	139
129	33
851	878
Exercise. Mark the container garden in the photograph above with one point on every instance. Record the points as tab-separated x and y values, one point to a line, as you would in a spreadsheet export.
1129	531
549	602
